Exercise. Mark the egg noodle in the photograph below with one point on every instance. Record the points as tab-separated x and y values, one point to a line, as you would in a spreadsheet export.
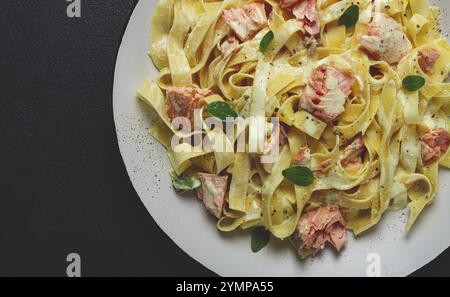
194	46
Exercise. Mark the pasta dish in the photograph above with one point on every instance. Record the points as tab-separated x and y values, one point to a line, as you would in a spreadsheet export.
301	119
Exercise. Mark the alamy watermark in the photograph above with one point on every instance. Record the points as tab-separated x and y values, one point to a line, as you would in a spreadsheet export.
374	267
74	267
258	135
74	9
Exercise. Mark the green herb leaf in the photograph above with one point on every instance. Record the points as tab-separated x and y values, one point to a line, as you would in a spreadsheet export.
187	182
265	41
260	238
299	175
413	82
350	16
221	110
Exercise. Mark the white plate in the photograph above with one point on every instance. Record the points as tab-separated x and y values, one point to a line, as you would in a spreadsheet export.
188	225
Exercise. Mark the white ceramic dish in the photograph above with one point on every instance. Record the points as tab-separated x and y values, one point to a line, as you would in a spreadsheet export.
186	222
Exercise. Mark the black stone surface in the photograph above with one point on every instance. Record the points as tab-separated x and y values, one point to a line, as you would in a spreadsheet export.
63	185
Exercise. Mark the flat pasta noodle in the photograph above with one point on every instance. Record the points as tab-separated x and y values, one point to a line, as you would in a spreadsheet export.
179	65
161	24
239	182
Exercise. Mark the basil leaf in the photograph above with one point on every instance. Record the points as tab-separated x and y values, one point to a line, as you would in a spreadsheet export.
187	182
260	238
221	110
413	82
299	175
265	41
350	16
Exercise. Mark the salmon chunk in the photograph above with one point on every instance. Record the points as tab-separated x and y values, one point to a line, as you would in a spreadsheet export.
288	3
327	91
305	11
385	40
247	20
182	101
302	157
319	226
212	192
351	155
427	58
434	144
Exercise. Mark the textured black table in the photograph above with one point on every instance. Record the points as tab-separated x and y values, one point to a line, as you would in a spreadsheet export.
63	186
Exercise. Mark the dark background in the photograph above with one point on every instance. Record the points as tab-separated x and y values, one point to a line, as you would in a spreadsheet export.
63	185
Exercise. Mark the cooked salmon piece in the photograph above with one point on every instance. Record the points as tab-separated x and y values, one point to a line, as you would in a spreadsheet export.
302	157
305	11
182	101
246	20
434	144
288	3
327	91
212	192
319	226
351	155
427	58
385	40
229	45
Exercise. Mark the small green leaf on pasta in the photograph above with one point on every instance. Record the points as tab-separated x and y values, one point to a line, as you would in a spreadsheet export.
265	41
350	17
413	82
260	238
185	183
221	110
299	175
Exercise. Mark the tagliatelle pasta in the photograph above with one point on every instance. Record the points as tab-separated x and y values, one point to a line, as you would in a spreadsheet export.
302	117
